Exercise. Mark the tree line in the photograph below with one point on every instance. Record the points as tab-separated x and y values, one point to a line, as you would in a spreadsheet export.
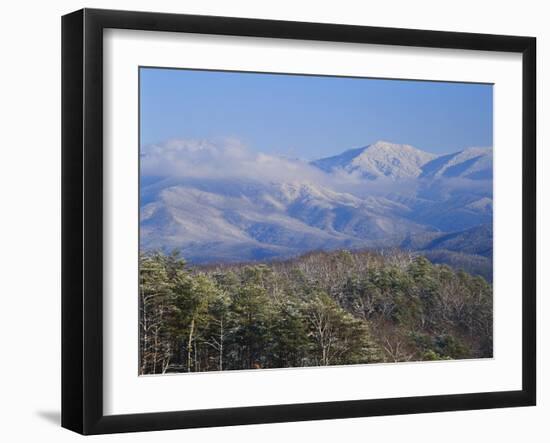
324	308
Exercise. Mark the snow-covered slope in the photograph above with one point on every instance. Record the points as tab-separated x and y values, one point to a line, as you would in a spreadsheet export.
222	203
261	221
473	163
384	159
381	159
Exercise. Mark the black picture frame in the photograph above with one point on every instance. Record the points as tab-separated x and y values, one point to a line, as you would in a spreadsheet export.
82	218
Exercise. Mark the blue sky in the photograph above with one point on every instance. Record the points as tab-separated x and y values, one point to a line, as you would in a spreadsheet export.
312	117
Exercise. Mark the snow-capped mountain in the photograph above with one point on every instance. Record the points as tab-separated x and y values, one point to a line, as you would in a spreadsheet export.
255	220
384	159
381	159
226	204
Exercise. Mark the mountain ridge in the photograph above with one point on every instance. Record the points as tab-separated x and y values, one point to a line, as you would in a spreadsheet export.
370	197
399	161
380	159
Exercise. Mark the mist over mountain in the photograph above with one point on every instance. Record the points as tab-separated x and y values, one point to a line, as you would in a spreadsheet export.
217	201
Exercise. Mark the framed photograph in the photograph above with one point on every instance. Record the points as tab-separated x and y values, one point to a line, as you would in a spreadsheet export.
268	221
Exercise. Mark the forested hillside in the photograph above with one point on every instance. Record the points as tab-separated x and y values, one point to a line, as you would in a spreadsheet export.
324	308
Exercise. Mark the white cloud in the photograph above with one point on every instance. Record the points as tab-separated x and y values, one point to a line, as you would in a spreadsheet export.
229	158
222	158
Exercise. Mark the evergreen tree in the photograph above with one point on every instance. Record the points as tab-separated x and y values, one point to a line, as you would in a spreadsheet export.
320	309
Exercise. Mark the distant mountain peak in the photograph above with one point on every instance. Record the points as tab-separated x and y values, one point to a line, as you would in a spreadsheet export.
380	159
384	145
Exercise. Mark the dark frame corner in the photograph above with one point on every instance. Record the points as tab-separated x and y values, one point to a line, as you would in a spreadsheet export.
82	151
